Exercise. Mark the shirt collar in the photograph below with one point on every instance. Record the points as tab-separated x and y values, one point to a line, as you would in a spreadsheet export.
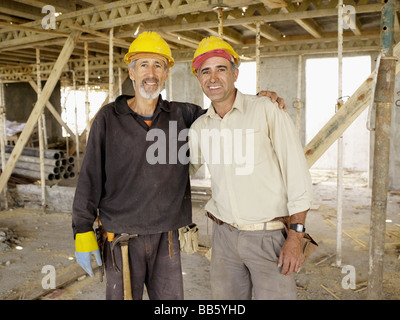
237	104
121	105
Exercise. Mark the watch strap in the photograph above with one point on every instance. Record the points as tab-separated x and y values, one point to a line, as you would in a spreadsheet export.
298	227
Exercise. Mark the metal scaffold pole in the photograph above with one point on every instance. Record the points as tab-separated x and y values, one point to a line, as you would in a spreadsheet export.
339	211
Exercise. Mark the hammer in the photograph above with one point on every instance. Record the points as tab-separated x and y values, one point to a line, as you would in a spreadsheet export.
123	239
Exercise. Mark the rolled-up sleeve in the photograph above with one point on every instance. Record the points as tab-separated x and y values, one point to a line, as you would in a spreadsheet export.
293	165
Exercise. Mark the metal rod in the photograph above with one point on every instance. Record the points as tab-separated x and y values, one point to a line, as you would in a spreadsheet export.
33	152
37	167
30	159
258	36
34	174
339	210
384	97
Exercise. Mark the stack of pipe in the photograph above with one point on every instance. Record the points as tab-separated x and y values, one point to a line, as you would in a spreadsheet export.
56	164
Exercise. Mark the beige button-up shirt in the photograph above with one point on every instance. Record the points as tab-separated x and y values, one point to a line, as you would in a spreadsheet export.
256	161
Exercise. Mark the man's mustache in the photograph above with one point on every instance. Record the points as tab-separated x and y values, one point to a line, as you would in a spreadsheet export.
150	80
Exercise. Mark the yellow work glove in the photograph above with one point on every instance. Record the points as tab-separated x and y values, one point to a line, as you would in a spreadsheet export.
85	246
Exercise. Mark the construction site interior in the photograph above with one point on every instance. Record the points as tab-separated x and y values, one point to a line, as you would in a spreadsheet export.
61	61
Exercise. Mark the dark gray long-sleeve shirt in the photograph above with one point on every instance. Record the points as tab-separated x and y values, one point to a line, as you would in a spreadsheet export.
120	178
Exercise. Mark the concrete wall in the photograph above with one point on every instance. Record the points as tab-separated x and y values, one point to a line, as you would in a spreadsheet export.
20	98
280	74
183	86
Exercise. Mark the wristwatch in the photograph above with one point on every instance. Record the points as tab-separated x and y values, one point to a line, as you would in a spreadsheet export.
298	227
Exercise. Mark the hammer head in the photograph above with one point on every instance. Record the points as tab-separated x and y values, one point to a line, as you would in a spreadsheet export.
123	239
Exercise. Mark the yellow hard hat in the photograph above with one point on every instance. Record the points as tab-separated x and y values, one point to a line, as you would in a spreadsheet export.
150	42
213	46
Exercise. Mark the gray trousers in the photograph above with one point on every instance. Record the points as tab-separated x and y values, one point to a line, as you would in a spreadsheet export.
245	260
150	265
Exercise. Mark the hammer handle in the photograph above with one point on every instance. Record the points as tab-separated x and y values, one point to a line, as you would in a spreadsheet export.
126	273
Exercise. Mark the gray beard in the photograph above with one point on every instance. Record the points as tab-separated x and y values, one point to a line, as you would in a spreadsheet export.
146	95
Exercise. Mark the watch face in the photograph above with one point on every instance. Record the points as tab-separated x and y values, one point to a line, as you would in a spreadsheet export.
298	227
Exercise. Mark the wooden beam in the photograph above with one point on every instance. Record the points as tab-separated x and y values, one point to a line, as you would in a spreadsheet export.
9	27
272	17
119	42
177	38
38	108
272	4
266	31
53	111
63	6
335	127
20	10
307	24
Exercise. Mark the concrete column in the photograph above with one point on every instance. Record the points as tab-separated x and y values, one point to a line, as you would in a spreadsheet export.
185	87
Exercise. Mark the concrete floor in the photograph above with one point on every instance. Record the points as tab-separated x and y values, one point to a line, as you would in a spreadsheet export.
46	239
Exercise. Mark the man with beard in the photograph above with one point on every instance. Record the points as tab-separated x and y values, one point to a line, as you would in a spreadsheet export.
128	189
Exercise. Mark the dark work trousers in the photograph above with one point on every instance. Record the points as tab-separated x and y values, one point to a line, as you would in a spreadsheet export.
150	264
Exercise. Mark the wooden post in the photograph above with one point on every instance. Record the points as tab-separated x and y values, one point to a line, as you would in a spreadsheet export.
170	93
258	36
53	110
384	97
111	67
3	137
353	107
77	142
298	100
40	124
38	108
87	103
119	81
220	23
336	125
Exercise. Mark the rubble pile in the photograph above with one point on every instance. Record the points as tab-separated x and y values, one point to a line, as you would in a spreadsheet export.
7	239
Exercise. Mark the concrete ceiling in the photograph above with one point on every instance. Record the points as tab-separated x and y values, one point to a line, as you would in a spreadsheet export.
287	27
